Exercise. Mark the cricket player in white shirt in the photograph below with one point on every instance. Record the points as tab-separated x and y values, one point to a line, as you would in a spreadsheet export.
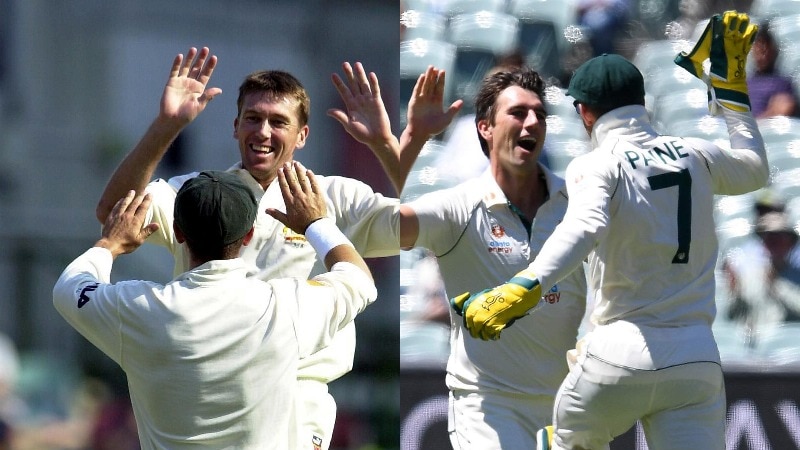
272	123
482	232
640	208
211	357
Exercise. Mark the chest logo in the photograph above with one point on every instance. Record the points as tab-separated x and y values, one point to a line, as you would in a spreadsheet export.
498	231
293	239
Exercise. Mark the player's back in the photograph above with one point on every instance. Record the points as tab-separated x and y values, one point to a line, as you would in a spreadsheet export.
211	360
655	265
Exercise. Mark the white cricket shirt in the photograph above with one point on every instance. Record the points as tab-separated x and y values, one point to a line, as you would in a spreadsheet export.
641	208
369	219
480	243
211	357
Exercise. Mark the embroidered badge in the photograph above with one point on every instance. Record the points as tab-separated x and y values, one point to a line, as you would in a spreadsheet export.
498	231
294	239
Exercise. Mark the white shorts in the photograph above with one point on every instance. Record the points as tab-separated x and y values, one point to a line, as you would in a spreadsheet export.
316	413
494	421
679	407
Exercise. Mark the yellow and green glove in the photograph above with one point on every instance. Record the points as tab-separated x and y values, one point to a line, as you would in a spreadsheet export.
488	312
693	61
544	438
726	41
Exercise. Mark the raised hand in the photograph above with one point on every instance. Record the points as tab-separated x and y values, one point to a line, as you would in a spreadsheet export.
366	118
426	116
302	196
124	230
186	93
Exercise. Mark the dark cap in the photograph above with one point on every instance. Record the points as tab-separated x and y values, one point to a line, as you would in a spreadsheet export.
215	209
607	81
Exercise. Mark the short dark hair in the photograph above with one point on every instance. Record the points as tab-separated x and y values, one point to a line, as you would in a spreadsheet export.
276	83
497	82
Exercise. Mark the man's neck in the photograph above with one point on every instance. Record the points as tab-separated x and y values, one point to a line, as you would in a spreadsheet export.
526	193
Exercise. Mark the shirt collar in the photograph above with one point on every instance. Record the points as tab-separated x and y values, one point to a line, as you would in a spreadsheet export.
212	271
493	195
629	123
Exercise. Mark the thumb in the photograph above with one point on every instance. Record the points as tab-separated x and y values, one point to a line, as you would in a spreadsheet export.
339	115
149	229
457	303
454	109
278	215
209	94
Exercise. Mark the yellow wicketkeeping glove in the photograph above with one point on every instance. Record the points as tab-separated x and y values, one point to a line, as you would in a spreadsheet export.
726	41
733	37
488	312
693	61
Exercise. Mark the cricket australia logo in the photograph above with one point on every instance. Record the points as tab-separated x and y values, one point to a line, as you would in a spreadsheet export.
316	441
83	298
498	231
497	239
294	239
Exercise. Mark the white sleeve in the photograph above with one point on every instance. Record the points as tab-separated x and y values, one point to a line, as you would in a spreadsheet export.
590	183
84	297
369	219
743	168
328	302
161	211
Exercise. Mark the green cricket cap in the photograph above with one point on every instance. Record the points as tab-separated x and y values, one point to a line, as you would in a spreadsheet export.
607	81
215	209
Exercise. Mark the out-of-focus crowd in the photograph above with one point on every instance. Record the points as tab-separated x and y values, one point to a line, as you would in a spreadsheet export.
758	274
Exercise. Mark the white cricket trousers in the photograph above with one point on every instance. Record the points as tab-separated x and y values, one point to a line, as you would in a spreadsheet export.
496	421
680	407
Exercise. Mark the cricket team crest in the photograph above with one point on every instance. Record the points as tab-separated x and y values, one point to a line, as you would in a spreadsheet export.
498	240
498	231
291	238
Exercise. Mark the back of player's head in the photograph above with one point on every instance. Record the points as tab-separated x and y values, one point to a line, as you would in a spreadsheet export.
276	84
494	84
607	82
214	210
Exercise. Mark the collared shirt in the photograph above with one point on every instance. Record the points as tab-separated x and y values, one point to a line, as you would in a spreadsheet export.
368	219
211	357
641	209
480	242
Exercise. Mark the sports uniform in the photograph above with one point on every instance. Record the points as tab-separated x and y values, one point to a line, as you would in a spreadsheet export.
502	392
631	201
211	357
367	218
199	349
641	209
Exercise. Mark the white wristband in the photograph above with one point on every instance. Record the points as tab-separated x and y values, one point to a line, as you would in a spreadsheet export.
324	235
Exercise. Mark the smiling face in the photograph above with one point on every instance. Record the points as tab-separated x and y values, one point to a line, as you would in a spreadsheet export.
515	132
268	130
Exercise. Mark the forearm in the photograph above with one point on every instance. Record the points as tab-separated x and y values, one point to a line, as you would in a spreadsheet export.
138	167
747	143
411	145
388	154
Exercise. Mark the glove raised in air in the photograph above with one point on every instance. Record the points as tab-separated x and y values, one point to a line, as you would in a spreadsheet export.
726	41
488	312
